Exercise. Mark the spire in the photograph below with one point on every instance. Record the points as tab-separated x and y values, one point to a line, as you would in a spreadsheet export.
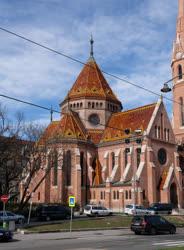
91	43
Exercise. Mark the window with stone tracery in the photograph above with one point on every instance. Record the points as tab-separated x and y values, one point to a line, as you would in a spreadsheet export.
68	168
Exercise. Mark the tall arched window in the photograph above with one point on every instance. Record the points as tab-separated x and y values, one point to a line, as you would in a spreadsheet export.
138	156
156	132
127	150
181	111
113	159
55	169
68	163
82	167
180	72
126	194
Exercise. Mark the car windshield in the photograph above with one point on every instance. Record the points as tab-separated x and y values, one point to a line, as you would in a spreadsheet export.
87	207
129	206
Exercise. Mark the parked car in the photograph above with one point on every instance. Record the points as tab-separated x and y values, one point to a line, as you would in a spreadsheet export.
160	208
135	209
8	216
151	224
52	212
5	235
95	210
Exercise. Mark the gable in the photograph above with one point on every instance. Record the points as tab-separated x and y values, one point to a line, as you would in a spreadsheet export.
160	124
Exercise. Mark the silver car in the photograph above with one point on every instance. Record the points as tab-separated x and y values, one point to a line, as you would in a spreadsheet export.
9	216
95	210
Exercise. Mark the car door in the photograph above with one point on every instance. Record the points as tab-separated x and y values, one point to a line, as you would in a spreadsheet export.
105	211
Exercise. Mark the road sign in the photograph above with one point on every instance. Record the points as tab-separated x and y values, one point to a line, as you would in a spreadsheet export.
4	198
71	201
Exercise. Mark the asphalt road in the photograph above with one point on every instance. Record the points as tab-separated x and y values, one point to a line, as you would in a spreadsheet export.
93	240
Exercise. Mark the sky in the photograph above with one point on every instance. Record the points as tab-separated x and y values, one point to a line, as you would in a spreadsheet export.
132	40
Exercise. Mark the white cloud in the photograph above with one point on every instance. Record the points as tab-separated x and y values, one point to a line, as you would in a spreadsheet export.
137	45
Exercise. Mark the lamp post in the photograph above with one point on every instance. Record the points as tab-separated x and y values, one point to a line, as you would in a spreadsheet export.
135	133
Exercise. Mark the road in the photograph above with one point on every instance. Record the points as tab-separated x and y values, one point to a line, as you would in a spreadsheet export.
93	240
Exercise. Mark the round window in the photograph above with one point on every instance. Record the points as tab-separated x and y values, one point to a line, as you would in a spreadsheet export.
162	156
94	119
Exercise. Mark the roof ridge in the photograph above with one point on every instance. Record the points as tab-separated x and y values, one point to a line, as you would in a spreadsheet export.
134	109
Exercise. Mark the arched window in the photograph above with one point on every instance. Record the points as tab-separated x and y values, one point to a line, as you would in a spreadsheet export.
159	132
168	135
156	132
165	134
180	72
161	124
138	156
38	196
144	194
101	195
93	105
113	159
117	195
81	104
104	195
89	105
126	195
126	155
181	111
130	194
82	167
55	170
68	168
114	195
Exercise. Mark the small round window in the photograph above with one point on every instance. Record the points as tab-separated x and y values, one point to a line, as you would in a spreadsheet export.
162	156
94	119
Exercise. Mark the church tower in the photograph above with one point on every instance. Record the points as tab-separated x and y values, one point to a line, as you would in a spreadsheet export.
91	96
178	75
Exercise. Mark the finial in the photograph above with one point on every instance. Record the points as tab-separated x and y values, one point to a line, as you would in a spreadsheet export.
91	42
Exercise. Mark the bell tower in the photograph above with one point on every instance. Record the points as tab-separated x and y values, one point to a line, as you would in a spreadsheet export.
177	66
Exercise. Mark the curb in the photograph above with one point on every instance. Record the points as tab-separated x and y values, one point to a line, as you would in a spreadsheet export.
68	231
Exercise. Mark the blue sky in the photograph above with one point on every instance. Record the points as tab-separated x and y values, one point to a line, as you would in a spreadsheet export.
133	40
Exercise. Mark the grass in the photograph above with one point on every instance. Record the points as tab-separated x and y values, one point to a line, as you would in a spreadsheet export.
116	221
102	222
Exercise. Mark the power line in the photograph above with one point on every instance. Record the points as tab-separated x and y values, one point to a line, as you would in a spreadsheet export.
79	61
52	110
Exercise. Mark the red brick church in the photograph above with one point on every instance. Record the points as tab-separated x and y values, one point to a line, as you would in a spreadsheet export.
113	157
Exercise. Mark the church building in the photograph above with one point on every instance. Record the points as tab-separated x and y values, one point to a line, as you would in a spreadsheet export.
105	155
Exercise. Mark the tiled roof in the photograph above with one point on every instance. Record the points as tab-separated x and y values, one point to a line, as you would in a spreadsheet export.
71	127
91	83
95	135
138	118
48	133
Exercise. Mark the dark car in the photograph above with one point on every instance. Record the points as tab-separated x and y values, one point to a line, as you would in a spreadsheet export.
5	235
52	212
160	208
151	224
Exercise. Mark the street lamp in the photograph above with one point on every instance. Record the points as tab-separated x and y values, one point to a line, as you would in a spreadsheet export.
166	88
136	132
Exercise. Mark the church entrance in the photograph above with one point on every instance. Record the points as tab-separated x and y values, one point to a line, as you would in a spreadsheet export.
173	195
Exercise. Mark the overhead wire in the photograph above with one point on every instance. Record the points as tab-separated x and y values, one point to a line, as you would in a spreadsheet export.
79	61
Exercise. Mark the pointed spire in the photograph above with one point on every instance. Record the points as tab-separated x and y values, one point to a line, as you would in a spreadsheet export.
91	43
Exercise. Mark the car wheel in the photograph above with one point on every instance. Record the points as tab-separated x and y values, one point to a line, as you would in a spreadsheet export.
47	218
137	232
153	231
173	230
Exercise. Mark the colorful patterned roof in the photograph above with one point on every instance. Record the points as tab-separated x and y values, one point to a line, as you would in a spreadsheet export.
71	127
138	118
48	133
92	84
95	135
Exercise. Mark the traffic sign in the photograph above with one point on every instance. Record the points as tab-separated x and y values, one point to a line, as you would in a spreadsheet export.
4	198
71	201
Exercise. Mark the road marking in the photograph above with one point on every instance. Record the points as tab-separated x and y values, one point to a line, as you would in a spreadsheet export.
169	243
